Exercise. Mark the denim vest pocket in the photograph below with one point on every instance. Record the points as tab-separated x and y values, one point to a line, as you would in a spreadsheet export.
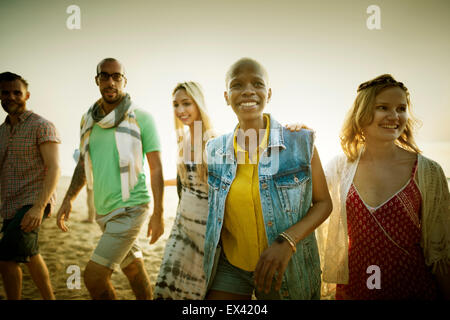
290	188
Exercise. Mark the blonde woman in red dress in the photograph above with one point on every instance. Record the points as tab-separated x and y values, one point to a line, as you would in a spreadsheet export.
388	236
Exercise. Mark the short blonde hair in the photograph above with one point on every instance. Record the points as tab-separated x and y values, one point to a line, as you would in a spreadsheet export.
194	90
362	112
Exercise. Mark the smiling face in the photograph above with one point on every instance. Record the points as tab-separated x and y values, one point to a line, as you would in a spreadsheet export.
185	108
390	116
111	90
13	97
247	91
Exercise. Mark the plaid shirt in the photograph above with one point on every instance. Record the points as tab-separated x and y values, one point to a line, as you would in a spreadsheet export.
22	169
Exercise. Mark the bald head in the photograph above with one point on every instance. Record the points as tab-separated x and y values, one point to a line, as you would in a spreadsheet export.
245	64
109	60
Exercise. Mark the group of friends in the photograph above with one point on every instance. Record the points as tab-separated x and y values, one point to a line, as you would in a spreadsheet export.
258	216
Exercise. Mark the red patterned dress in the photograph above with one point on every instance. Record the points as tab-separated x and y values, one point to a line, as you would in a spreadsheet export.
388	237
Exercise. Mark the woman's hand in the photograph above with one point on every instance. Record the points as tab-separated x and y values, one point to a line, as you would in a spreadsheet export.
273	262
296	127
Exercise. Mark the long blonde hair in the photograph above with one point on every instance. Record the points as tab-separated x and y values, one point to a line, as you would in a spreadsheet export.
362	112
194	90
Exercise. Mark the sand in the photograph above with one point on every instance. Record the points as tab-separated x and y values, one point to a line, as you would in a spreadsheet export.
61	250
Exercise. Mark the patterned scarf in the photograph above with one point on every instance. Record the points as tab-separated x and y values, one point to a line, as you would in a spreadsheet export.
128	141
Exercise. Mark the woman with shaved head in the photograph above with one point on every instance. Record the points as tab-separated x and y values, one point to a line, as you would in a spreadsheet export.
267	194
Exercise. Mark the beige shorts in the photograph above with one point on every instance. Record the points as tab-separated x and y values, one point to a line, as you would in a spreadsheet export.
118	244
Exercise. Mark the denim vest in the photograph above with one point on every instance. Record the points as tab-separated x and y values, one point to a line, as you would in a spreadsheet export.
285	188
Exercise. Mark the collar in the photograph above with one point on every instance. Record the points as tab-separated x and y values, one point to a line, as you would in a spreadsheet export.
239	152
24	115
275	139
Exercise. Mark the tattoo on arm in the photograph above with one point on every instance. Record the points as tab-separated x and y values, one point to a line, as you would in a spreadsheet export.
78	180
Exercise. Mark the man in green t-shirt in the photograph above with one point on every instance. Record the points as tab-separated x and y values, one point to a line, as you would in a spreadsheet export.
114	138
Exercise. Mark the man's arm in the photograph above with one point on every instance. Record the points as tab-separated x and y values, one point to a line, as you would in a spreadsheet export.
156	224
77	183
50	155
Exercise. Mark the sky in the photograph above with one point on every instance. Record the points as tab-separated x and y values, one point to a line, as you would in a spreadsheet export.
316	54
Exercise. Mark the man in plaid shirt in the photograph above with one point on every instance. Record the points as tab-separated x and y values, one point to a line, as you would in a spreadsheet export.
29	172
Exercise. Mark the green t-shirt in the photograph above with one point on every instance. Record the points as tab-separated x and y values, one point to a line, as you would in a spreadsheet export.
105	165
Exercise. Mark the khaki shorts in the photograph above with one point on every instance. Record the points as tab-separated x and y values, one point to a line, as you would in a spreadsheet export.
118	244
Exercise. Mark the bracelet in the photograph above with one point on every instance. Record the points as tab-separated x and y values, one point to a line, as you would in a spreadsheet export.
289	240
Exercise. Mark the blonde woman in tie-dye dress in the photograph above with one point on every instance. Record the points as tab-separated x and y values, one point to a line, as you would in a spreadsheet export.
181	274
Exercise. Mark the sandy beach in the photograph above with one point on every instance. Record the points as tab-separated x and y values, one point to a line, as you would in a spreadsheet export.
61	250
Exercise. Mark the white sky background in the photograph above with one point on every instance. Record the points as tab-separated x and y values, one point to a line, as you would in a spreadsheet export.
316	54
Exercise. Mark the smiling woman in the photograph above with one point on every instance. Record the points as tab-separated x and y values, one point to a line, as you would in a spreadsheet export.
248	92
265	200
390	204
185	108
181	274
372	104
390	115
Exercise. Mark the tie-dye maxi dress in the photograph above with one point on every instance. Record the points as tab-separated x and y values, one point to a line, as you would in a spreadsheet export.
181	274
